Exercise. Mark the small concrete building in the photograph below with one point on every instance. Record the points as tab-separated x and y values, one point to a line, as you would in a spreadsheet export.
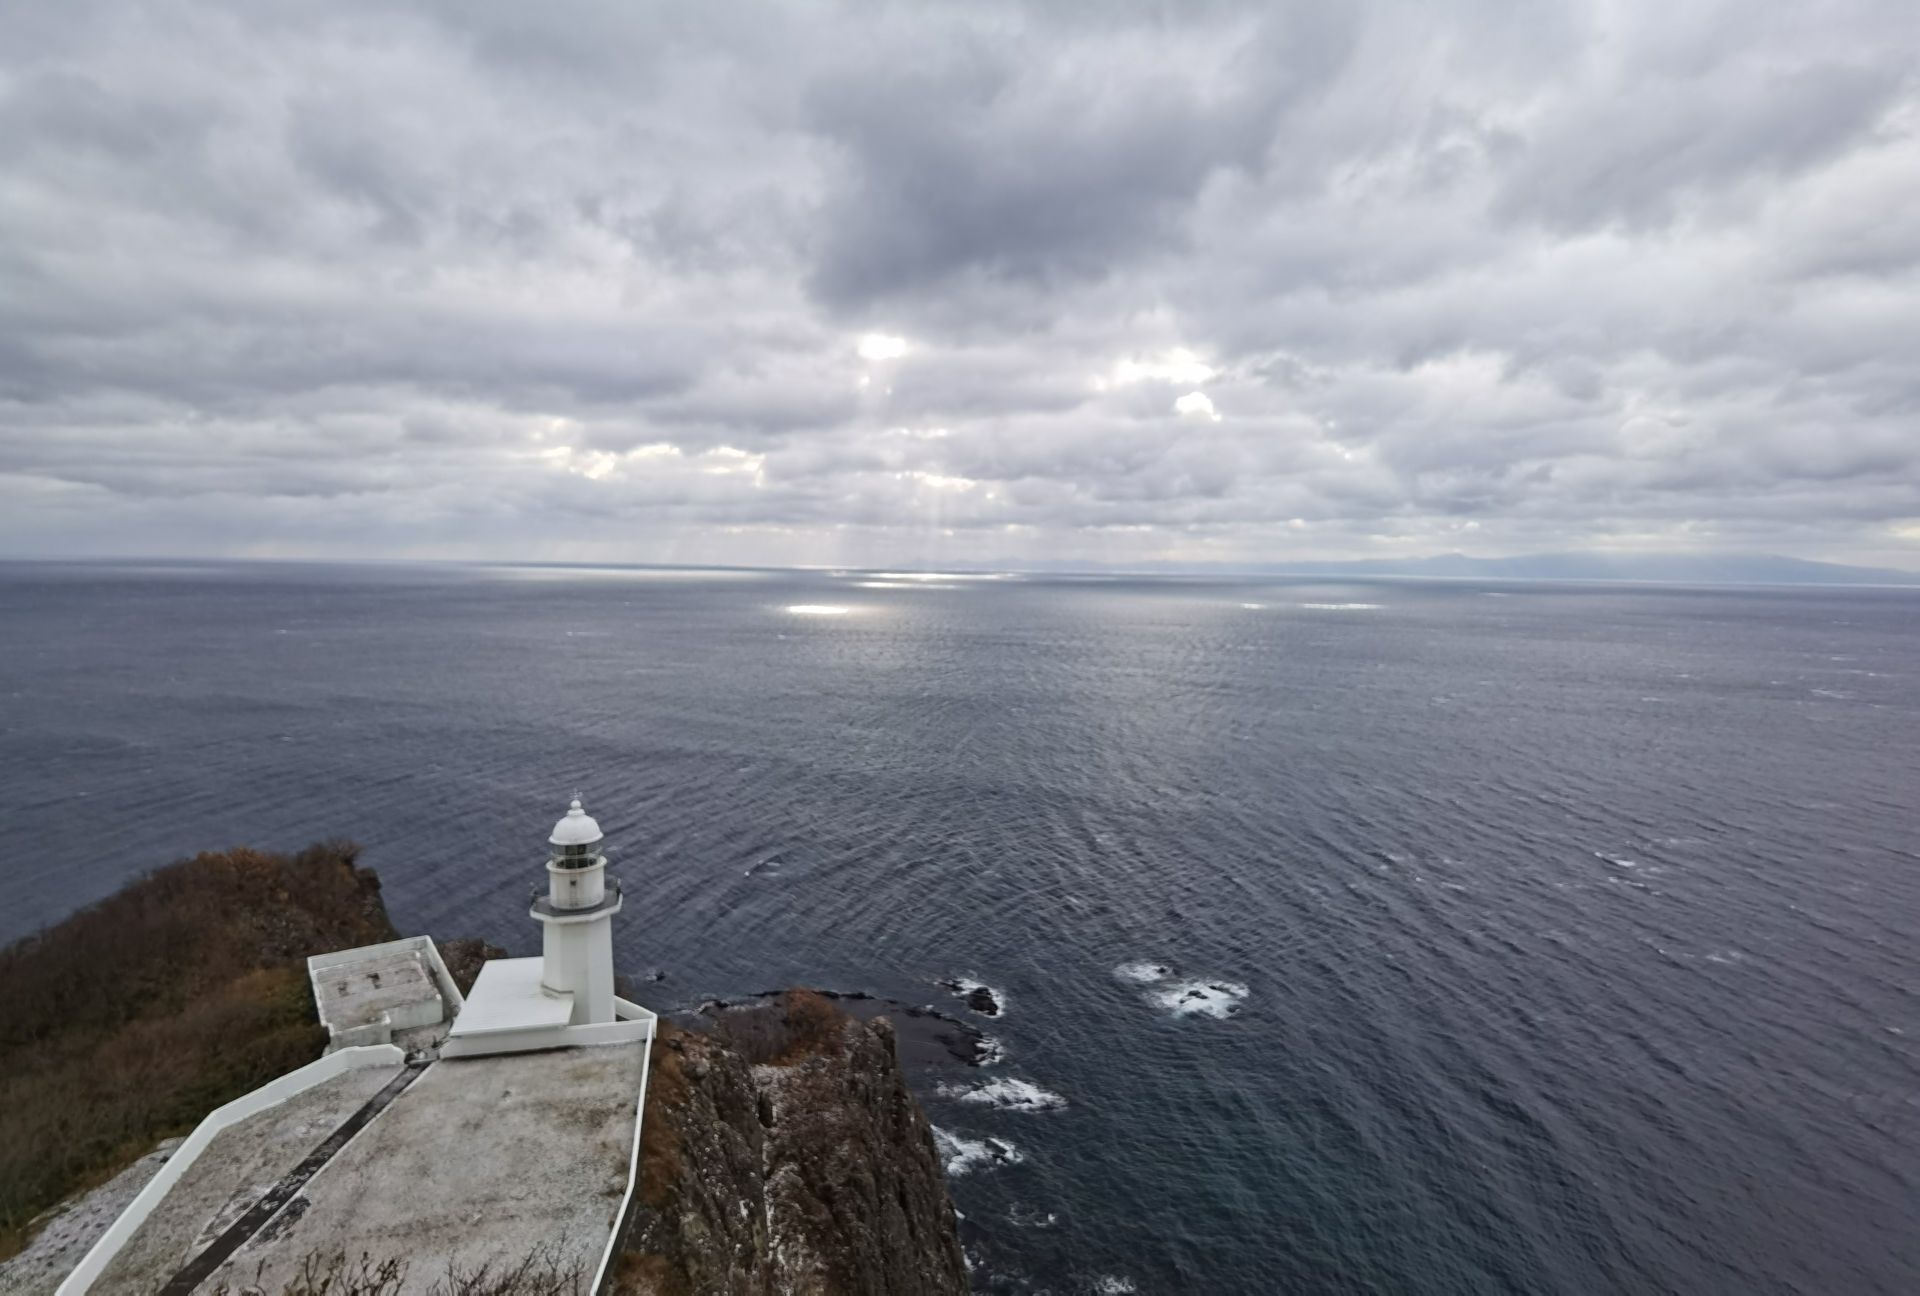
439	1131
376	993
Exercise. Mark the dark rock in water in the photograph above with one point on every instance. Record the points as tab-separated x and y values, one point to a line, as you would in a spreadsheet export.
924	1037
977	997
782	1152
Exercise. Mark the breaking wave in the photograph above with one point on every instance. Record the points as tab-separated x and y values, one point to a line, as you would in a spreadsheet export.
1007	1093
1221	999
961	1155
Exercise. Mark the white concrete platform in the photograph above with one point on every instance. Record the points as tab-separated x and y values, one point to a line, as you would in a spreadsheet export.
481	1160
508	996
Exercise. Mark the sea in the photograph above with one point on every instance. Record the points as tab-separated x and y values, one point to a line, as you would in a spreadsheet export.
1382	936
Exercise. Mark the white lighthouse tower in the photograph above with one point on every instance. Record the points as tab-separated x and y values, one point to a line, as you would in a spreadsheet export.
564	998
576	914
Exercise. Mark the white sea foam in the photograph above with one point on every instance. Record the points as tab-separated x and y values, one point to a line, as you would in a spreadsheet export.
817	609
1007	1093
1343	607
1030	1216
1183	998
991	1051
1254	607
1221	999
963	1155
1113	1285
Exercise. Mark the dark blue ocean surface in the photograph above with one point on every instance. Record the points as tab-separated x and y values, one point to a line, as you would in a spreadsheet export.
1545	938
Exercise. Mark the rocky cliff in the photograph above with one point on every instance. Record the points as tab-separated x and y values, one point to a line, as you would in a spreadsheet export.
783	1153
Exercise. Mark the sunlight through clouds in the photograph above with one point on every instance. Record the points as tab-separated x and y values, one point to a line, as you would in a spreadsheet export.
881	346
1197	404
1179	366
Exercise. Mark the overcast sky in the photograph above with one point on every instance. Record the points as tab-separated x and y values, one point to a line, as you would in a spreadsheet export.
978	282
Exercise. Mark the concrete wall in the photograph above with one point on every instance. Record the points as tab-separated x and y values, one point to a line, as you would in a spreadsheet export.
547	1037
408	1016
271	1094
380	1032
627	1010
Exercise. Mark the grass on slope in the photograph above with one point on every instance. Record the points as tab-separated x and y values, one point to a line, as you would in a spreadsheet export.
129	1021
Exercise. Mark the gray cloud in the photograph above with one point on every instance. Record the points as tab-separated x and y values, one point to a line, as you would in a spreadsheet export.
980	155
1137	282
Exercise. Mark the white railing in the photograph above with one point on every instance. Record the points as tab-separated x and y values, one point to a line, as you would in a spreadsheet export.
622	1220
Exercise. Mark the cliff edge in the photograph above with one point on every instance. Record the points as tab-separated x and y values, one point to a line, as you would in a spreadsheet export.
783	1153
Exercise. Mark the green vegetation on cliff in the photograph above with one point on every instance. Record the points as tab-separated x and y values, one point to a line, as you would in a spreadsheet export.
129	1021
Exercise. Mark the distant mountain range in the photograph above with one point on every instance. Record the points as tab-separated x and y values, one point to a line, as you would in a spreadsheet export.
1690	569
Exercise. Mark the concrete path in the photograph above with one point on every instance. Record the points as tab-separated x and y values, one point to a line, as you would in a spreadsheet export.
484	1163
270	1204
235	1171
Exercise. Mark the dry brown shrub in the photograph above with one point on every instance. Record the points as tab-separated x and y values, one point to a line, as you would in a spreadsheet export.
130	1020
798	1025
543	1271
814	1024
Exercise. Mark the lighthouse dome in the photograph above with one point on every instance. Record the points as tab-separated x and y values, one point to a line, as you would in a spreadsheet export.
576	828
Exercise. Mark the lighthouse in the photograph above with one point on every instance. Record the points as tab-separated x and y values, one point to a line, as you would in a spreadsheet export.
576	915
565	997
